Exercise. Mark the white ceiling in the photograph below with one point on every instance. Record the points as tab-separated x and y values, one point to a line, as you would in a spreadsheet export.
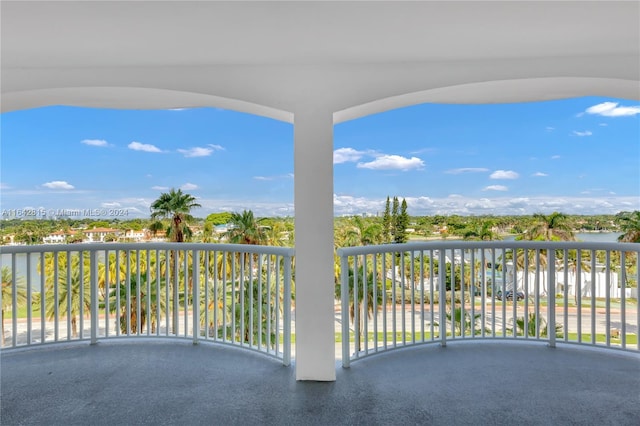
352	58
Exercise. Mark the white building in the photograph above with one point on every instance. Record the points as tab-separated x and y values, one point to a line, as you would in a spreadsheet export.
98	234
132	235
58	237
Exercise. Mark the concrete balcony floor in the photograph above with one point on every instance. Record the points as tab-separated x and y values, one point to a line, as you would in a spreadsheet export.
174	382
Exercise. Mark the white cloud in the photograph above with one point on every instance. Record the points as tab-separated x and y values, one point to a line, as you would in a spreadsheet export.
424	151
539	174
346	155
556	157
200	151
58	184
611	109
95	142
504	174
160	188
466	170
196	152
189	186
393	162
345	204
495	188
380	161
270	178
481	205
4	186
461	205
137	146
550	129
585	133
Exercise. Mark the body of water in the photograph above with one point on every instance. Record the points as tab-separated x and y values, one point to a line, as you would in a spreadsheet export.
596	237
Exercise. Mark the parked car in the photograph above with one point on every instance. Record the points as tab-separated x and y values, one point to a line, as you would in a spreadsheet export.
509	295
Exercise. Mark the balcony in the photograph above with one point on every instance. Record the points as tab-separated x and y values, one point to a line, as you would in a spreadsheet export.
423	343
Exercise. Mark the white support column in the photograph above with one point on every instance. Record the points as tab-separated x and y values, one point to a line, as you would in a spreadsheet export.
314	280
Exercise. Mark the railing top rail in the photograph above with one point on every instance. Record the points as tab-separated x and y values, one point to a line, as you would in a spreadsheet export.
440	245
89	247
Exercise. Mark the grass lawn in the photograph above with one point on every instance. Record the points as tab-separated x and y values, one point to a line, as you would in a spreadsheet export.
22	312
632	339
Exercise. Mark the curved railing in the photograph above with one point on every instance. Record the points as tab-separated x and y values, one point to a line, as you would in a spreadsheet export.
395	296
225	293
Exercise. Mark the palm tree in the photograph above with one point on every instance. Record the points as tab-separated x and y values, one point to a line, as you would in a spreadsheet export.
155	227
7	293
358	305
216	303
245	229
278	234
551	228
177	206
630	225
480	232
369	233
129	323
72	292
462	319
533	324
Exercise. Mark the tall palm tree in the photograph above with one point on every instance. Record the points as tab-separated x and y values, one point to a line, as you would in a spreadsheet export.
177	206
7	293
551	227
630	225
245	229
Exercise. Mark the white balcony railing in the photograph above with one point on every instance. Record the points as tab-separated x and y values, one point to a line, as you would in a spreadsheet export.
232	294
572	292
241	295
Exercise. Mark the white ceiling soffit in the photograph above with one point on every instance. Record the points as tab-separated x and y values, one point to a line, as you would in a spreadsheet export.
266	57
504	91
133	98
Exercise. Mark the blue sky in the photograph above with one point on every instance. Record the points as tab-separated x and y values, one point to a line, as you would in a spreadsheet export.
578	156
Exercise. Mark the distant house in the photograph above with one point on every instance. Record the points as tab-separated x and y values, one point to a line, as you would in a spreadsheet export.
95	235
58	237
